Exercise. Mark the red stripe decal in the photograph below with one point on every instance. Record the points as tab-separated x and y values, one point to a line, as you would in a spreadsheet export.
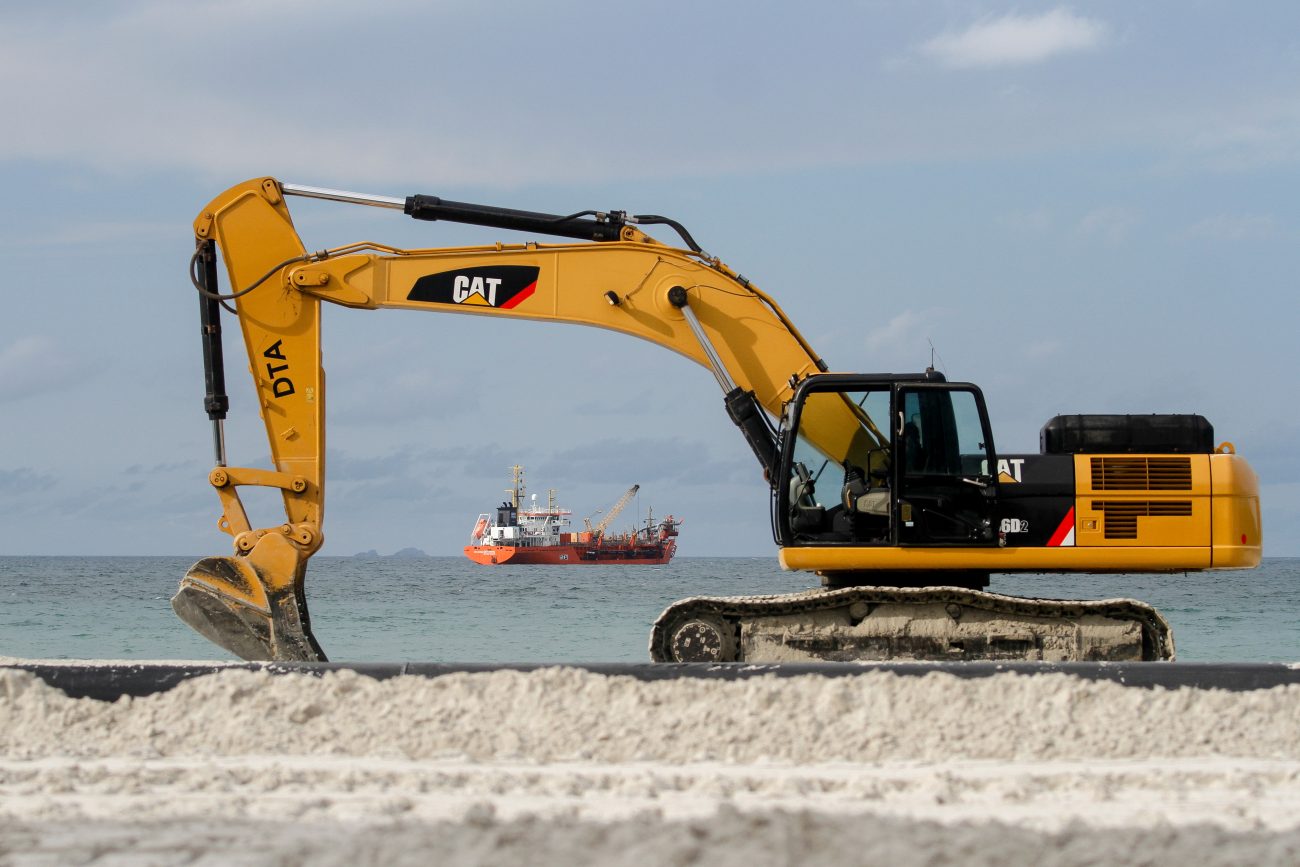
1067	524
523	293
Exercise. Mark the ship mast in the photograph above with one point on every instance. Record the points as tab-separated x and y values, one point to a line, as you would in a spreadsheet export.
516	490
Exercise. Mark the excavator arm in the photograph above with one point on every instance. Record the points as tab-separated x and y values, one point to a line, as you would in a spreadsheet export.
612	276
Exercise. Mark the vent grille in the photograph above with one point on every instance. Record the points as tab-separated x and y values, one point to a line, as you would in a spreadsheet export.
1141	474
1121	519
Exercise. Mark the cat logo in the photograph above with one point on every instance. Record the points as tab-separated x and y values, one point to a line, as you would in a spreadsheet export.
1009	469
464	288
502	287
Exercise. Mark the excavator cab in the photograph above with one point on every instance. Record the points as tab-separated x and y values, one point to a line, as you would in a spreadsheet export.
911	468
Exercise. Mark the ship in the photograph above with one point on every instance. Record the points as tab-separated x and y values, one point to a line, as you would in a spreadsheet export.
526	533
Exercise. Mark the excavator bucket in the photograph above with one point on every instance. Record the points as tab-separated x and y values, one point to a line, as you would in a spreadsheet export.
248	607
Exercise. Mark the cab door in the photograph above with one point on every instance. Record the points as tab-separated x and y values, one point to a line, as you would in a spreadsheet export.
947	492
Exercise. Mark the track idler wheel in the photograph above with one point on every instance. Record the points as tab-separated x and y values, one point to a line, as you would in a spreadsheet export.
252	606
703	638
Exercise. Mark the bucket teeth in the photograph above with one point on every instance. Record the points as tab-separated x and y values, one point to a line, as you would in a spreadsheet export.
227	601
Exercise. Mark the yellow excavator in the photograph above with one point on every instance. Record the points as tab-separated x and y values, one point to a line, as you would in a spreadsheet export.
886	486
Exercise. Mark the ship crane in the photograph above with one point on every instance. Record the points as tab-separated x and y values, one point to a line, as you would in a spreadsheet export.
599	530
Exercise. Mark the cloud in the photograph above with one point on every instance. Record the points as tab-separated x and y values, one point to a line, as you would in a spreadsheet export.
647	461
906	335
24	480
128	72
32	365
419	383
1254	134
1270	449
1111	225
1016	40
344	466
167	468
93	233
1038	350
1234	227
1029	222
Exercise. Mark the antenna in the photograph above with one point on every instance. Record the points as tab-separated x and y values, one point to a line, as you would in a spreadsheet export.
933	354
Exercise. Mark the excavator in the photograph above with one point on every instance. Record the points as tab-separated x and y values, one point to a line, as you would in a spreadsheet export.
887	487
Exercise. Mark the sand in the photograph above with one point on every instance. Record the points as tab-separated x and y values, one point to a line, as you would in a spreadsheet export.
561	766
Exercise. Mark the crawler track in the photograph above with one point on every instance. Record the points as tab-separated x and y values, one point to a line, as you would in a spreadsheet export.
926	623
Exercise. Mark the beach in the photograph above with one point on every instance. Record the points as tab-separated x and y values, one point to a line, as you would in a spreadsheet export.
564	766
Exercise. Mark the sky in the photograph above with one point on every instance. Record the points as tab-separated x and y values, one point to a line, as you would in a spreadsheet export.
1086	208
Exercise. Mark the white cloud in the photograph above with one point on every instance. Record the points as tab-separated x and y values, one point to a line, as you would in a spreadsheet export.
1036	222
126	89
1256	132
1039	350
905	336
131	89
1016	40
94	233
31	365
1234	227
1111	225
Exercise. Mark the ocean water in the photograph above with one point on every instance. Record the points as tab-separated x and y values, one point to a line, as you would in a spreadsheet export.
446	609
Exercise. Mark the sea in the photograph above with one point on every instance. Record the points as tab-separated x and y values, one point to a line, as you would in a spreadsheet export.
447	609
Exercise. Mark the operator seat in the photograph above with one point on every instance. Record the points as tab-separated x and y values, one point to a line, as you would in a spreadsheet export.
860	496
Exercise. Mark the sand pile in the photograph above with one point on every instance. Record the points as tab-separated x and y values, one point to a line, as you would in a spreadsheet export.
564	766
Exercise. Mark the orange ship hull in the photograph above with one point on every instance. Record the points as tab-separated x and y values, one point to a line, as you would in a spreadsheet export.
569	555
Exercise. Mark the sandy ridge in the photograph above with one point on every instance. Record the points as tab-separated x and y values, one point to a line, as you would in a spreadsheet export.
564	714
